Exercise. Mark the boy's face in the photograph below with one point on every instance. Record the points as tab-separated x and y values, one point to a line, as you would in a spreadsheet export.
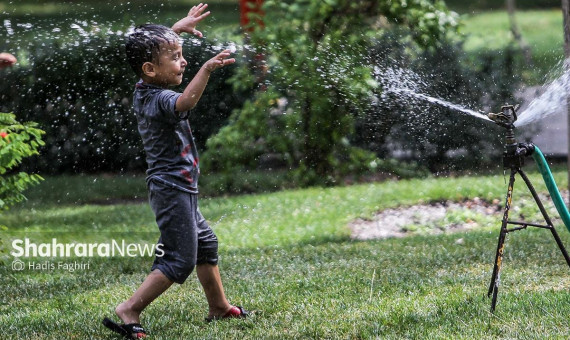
169	67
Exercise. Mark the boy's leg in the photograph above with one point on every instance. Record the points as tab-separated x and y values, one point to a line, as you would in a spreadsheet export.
172	209
209	276
154	285
208	272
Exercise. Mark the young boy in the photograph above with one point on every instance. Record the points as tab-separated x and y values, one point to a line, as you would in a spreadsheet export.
186	241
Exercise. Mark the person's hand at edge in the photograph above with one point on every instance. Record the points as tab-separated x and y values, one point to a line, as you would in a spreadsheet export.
6	59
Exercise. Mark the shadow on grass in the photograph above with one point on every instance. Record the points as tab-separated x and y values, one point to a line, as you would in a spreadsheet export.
82	218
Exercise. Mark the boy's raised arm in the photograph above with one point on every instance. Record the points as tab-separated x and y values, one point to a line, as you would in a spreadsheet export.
194	90
188	23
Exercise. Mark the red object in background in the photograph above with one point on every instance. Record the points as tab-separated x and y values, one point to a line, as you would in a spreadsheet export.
256	60
3	134
249	6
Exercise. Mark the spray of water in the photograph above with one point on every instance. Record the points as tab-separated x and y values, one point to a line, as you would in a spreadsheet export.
441	102
406	83
84	24
551	101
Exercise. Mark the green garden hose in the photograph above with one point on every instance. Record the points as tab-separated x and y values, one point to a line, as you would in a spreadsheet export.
551	185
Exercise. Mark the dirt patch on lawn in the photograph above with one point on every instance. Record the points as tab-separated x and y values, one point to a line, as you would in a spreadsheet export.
424	218
442	217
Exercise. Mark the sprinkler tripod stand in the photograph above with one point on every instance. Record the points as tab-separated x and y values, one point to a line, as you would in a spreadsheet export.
513	159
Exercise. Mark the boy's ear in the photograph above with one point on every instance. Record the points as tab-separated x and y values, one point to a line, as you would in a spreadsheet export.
148	69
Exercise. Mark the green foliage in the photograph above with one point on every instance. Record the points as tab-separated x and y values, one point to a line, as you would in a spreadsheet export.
429	21
318	64
17	141
231	148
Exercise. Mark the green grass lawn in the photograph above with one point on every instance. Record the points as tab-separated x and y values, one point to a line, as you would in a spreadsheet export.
288	256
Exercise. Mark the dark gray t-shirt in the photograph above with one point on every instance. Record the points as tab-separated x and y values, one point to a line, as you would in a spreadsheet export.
170	150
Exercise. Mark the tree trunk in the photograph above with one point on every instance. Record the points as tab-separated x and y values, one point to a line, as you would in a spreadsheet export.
511	9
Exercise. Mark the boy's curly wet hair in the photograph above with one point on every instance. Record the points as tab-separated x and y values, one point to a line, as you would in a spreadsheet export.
143	44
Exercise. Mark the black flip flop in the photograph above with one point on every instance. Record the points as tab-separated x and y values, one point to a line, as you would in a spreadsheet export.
126	330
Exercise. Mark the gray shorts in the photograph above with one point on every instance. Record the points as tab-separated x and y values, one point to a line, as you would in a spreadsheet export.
186	237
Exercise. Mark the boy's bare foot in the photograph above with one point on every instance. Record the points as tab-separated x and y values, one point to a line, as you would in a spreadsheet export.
126	314
232	312
219	312
131	327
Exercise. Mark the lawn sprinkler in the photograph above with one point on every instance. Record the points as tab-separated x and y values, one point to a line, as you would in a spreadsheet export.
513	159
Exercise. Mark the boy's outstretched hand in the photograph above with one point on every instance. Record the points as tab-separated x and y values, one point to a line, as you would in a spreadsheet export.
188	24
218	61
193	91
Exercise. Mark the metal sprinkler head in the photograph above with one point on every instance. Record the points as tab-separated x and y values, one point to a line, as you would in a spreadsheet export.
514	154
507	117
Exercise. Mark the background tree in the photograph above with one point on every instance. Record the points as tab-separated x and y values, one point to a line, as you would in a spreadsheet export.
511	9
319	80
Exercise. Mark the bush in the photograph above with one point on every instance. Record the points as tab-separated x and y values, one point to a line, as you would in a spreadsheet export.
80	94
17	141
